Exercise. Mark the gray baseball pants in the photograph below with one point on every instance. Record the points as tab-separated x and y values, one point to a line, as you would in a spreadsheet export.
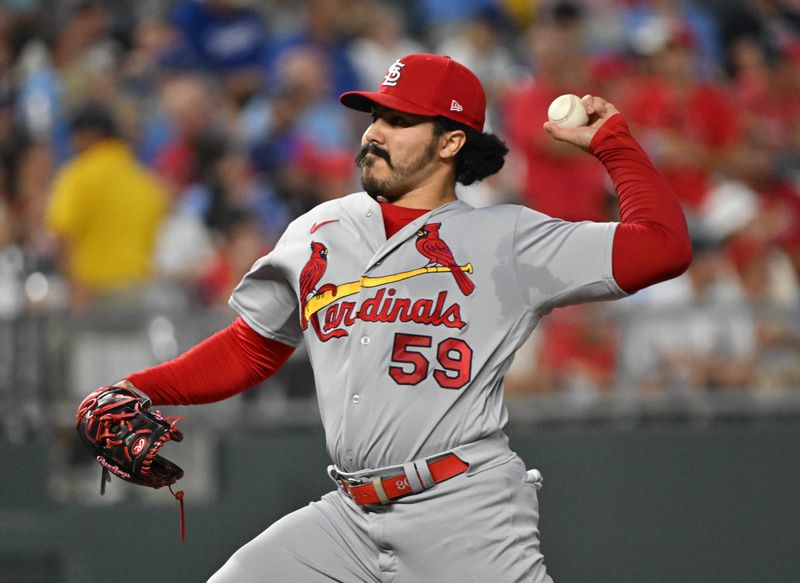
476	527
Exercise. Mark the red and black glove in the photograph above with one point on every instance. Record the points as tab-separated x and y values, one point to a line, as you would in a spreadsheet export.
125	436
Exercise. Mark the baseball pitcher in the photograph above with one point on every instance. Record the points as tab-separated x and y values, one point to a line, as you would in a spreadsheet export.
412	305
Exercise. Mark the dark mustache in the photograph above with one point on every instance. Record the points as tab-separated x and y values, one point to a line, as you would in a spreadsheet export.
372	149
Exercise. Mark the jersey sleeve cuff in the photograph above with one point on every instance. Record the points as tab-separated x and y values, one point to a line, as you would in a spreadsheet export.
261	329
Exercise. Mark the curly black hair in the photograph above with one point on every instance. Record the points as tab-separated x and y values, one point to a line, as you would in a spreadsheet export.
482	155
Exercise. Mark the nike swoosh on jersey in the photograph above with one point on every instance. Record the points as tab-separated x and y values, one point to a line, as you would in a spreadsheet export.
316	226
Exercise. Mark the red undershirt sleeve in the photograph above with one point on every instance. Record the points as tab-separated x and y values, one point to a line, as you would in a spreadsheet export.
651	243
227	363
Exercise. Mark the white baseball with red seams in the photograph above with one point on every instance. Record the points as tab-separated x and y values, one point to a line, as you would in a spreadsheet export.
567	111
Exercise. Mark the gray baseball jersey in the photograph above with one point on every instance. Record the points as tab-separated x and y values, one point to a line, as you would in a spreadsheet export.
409	337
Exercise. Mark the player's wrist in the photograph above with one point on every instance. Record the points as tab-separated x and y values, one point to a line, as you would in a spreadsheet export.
614	133
129	386
125	384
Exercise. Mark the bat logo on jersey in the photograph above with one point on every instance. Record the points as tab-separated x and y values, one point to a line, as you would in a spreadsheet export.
383	306
436	251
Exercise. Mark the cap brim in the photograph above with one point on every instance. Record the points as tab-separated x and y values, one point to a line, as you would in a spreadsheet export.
364	100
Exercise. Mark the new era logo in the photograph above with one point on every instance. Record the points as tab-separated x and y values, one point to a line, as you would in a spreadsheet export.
456	106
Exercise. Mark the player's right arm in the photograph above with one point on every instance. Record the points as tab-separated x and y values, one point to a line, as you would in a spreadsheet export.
232	360
651	243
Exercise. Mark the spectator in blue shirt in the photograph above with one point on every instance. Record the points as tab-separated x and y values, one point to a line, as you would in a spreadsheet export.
226	39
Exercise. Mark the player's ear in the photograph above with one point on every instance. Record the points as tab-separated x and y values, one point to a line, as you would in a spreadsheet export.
451	143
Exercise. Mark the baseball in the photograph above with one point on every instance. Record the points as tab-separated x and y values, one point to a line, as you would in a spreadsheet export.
567	111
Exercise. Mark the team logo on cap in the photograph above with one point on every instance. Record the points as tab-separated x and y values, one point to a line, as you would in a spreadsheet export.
393	74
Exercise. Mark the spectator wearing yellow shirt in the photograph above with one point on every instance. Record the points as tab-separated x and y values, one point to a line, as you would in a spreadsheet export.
106	208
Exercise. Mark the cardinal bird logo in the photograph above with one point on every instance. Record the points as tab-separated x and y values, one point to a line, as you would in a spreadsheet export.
312	272
436	251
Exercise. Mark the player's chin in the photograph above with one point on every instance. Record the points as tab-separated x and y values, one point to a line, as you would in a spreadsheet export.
371	189
376	187
373	177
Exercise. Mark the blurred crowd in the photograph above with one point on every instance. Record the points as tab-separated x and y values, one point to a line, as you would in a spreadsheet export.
150	151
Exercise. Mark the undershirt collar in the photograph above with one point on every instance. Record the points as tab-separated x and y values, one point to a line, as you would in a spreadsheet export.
396	217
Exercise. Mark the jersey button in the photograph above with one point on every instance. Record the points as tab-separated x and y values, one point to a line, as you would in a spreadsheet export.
356	399
365	340
348	455
369	214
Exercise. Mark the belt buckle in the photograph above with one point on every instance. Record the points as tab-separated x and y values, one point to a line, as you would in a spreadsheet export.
376	484
348	482
351	482
343	480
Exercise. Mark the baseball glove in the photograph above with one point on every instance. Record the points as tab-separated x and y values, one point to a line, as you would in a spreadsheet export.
125	436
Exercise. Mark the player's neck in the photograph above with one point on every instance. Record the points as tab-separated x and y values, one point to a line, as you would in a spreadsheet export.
428	195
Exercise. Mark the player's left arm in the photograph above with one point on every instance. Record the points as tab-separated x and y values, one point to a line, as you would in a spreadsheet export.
250	350
651	243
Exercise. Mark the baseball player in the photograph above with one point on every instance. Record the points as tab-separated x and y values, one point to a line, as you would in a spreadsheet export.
412	305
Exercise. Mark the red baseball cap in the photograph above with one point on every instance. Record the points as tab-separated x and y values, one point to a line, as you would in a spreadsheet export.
427	85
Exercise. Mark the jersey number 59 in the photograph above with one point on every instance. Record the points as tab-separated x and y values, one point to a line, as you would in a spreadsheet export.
413	353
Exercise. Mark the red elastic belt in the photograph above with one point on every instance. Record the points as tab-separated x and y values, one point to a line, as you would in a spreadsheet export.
378	490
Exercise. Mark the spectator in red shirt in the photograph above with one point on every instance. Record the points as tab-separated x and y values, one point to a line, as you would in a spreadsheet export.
767	90
556	180
193	109
689	128
577	352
